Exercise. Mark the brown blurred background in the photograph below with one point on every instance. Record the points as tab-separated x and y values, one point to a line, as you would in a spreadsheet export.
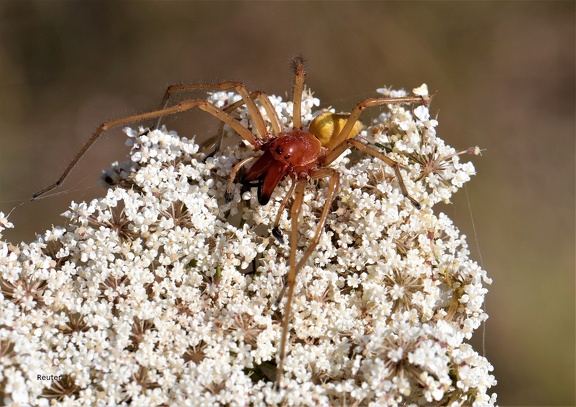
504	72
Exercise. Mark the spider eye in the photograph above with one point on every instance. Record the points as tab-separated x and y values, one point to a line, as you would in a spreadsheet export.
287	156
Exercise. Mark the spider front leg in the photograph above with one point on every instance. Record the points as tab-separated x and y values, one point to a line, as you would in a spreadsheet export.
296	267
238	86
297	91
270	112
179	108
247	99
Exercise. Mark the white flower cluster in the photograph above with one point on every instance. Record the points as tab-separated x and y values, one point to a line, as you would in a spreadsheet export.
161	293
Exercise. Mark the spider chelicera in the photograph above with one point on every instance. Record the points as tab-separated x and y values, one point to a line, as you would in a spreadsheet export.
298	153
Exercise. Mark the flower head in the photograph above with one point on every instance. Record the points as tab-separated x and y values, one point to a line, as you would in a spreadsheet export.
160	292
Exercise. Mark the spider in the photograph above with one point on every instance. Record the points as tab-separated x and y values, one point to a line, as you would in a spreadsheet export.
297	153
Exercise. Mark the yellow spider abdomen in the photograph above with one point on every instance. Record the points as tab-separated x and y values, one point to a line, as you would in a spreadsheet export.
328	125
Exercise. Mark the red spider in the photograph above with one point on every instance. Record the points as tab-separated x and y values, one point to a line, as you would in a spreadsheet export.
297	153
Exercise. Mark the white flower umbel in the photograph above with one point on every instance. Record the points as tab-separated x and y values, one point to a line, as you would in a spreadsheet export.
161	293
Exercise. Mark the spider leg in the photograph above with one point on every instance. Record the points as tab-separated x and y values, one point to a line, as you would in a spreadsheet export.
299	78
270	112
180	107
216	140
295	268
338	150
276	232
238	86
294	214
232	176
347	130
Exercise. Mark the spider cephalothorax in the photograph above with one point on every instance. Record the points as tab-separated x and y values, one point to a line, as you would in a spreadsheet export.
294	153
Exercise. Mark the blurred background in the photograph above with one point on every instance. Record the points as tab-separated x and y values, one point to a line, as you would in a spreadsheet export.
505	76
